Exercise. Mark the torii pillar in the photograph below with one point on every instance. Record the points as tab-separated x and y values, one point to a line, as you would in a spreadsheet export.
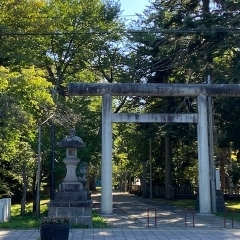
203	156
106	170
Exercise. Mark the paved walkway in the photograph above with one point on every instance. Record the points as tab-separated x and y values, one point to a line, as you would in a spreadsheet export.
130	222
132	211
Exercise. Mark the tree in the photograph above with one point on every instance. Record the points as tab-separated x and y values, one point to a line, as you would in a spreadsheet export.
24	100
181	42
62	38
64	35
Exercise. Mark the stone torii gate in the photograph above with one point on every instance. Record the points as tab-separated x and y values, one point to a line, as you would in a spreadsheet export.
201	91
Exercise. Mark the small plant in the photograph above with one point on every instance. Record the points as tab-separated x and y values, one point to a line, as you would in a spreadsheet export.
55	220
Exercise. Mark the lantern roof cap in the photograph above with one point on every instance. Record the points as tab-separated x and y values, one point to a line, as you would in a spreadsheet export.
72	141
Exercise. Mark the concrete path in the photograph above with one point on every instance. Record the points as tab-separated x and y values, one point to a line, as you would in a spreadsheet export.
130	221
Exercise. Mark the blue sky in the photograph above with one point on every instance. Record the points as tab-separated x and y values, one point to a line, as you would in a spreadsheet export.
130	7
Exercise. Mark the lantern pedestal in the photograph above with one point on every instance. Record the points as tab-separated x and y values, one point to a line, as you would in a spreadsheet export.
77	205
71	165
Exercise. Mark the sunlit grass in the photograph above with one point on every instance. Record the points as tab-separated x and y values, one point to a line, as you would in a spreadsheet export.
27	221
98	221
232	210
184	203
233	204
16	208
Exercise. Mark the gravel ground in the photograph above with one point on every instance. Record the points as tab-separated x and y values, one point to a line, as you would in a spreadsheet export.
130	211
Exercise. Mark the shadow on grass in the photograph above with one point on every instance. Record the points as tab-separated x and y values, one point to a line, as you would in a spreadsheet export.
231	214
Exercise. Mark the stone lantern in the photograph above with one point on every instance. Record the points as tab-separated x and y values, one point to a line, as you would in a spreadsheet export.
71	143
72	199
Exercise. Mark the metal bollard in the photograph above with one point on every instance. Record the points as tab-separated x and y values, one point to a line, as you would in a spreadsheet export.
185	217
155	215
225	216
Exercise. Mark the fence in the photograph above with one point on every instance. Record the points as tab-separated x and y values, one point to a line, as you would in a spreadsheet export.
5	209
159	191
186	191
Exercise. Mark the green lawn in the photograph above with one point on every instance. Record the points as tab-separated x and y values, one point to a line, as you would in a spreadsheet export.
30	221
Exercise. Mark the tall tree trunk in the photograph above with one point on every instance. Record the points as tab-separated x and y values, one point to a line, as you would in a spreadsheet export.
125	181
168	169
222	171
129	182
24	196
34	192
121	181
206	5
229	170
144	180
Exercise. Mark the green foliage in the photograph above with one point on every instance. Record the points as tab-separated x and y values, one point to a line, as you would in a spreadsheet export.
181	43
235	173
24	99
61	39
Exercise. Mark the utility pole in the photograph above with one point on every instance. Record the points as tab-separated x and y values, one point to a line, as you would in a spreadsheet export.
39	166
52	175
144	178
52	168
150	160
38	173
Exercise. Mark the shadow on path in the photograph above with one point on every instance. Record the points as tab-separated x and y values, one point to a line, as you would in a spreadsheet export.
131	211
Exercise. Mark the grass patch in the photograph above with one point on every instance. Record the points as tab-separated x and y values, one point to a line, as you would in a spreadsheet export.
233	210
98	221
235	216
29	221
184	203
